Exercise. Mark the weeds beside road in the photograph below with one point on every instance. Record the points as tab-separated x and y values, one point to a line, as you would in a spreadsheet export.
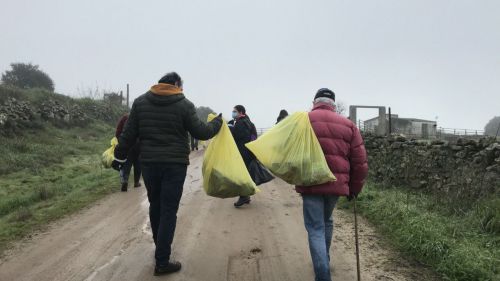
46	174
460	246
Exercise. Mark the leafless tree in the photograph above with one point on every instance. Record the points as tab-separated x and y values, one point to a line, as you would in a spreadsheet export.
341	108
92	92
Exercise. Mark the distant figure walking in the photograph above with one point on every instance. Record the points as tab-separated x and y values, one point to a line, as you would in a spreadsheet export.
283	115
243	131
194	144
132	159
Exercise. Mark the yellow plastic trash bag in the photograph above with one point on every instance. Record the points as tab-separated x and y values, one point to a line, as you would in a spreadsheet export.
292	152
224	172
109	155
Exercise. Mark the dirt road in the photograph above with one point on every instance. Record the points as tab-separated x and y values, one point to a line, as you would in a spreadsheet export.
265	241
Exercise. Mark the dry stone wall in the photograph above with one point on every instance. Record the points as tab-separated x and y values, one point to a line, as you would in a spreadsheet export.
21	109
464	169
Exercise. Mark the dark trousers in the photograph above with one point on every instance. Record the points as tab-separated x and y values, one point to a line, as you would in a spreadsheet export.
164	184
127	167
194	144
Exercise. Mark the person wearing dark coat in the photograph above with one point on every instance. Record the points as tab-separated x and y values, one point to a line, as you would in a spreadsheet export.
132	159
161	120
243	131
283	115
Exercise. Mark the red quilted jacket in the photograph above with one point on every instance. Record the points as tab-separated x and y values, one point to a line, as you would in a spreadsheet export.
344	151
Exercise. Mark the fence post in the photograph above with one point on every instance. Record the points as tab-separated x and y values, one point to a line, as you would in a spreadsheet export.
128	96
390	121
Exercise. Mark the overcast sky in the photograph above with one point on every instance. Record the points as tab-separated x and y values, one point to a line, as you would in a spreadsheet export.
425	58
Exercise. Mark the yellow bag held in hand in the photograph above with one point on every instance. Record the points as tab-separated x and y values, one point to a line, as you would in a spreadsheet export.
292	152
224	172
109	155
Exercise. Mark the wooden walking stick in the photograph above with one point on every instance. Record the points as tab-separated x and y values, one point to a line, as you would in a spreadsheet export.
356	238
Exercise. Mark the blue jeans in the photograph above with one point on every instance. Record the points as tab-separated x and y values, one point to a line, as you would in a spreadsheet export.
318	220
164	183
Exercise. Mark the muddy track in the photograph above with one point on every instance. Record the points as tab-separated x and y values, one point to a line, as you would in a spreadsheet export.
264	241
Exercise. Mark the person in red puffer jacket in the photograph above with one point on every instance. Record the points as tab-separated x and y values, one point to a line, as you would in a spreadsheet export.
345	154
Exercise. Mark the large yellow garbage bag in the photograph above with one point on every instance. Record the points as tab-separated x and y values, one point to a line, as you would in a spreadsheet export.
224	172
109	155
292	152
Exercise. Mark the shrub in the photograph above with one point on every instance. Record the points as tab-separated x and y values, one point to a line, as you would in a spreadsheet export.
27	76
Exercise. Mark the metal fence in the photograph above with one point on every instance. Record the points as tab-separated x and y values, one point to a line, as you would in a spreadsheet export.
460	132
438	133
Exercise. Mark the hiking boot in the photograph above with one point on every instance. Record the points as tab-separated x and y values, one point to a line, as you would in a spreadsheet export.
124	187
137	184
171	267
242	201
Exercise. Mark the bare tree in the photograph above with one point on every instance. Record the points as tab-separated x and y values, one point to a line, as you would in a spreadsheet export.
341	108
92	92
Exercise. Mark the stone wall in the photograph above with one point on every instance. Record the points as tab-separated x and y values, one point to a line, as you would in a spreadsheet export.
465	169
21	109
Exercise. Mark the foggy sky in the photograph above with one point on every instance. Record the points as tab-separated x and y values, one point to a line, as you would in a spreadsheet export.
424	58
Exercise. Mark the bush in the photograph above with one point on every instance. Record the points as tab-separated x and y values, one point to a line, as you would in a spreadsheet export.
492	127
27	76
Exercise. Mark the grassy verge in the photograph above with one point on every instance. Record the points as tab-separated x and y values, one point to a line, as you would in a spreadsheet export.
50	173
35	150
461	247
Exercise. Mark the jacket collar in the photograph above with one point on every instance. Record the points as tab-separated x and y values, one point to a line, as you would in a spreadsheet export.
162	89
325	106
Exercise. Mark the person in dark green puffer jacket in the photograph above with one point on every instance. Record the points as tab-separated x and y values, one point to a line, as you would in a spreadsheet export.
160	120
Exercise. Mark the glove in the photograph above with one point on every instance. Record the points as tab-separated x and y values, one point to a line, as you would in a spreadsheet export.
118	164
351	196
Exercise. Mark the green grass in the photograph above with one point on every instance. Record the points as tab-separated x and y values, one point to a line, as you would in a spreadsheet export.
463	246
47	174
38	148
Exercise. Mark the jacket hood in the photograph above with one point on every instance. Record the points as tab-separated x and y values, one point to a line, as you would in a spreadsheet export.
164	94
163	89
